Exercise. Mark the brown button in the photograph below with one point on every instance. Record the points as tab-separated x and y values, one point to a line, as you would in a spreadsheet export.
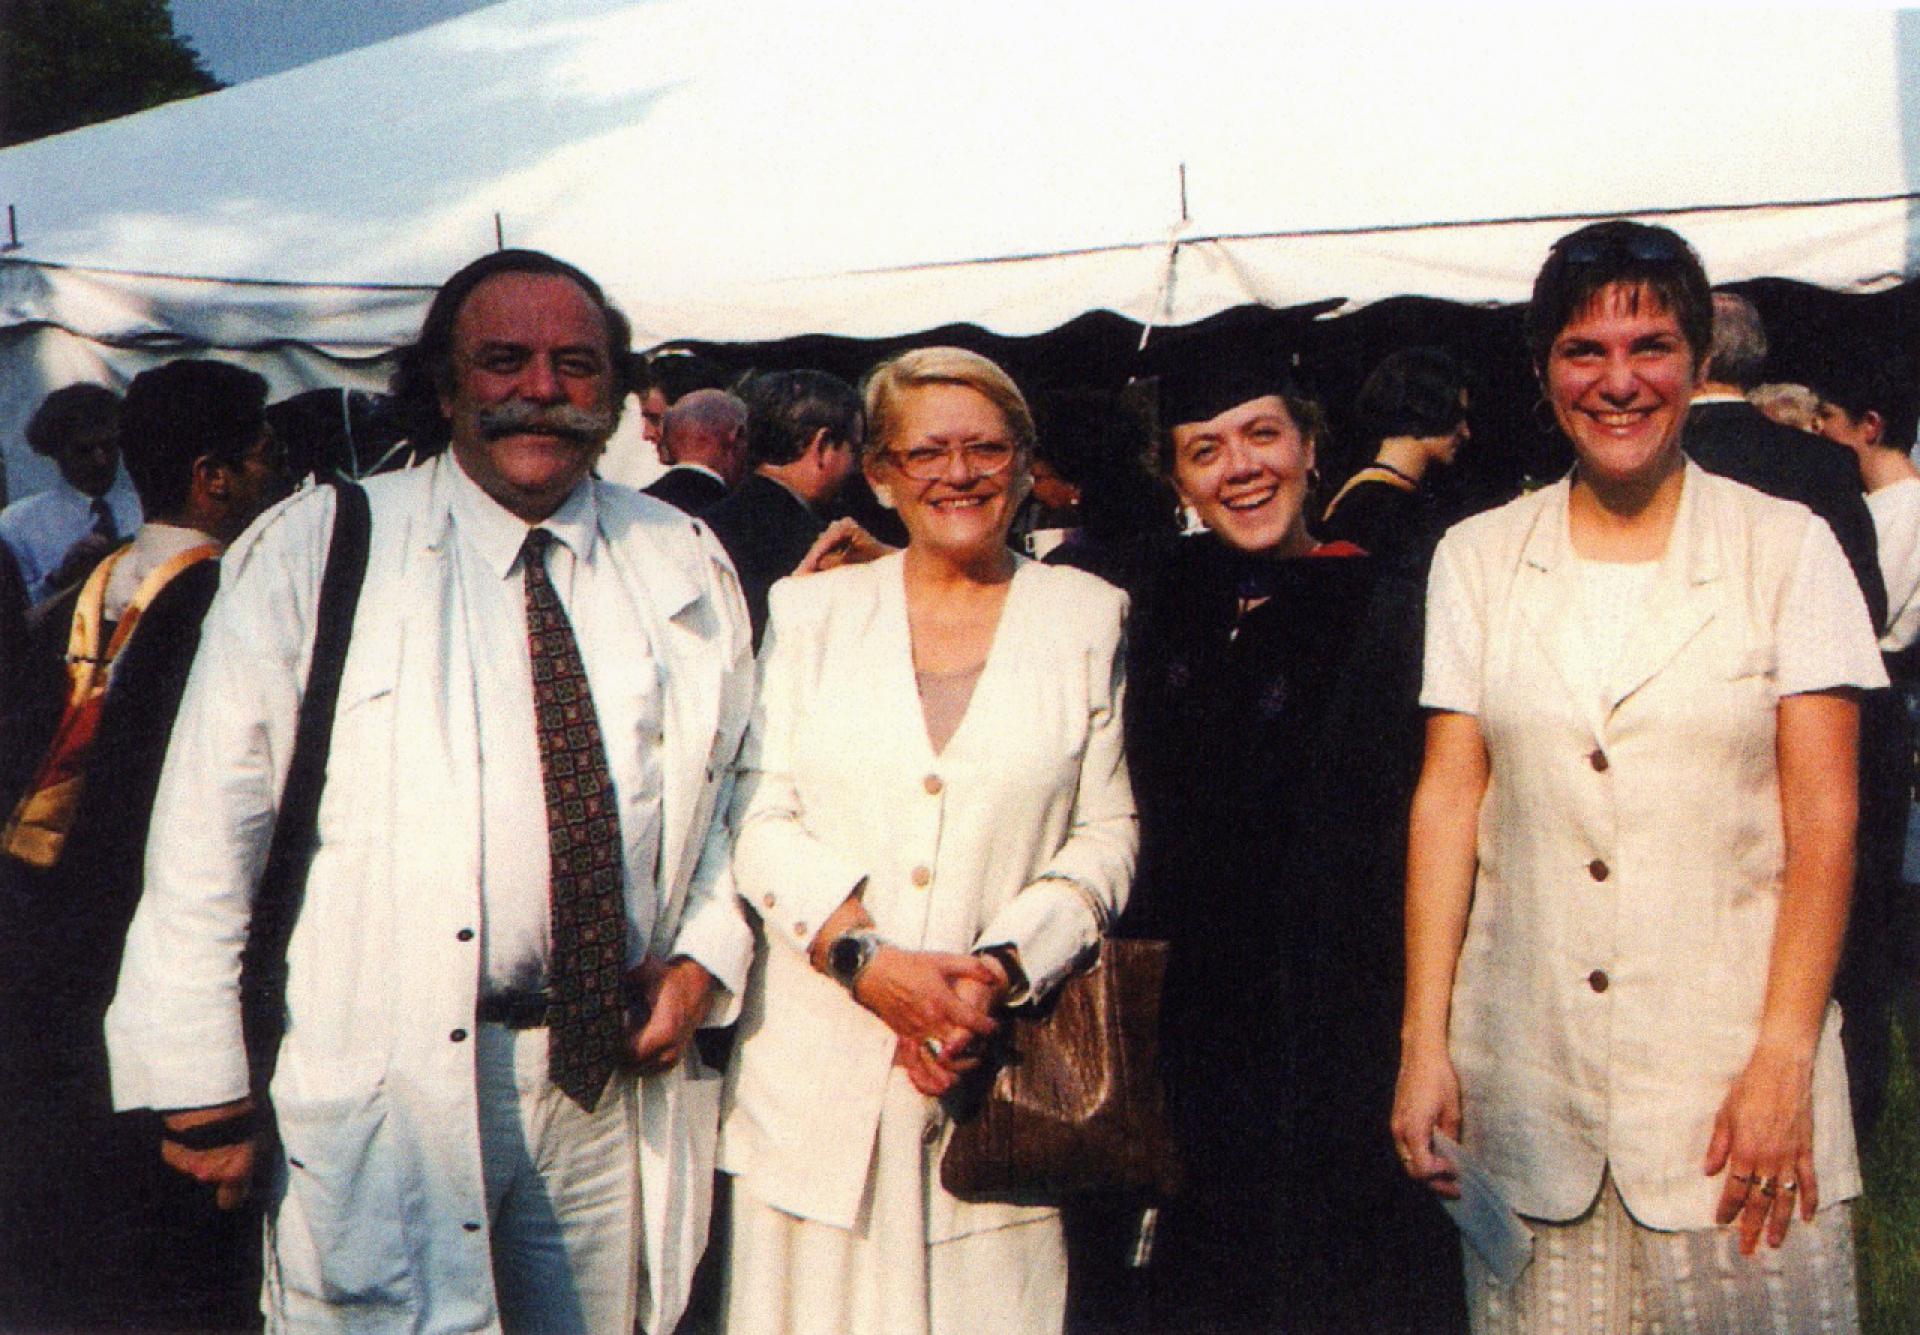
767	900
933	784
1597	980
458	1036
1598	760
464	934
1598	870
922	876
471	1227
799	929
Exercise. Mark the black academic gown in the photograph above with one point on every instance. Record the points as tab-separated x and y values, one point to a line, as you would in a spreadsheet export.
1273	756
95	1232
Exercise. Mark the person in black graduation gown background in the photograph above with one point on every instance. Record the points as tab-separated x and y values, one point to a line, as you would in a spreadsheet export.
1273	738
96	1233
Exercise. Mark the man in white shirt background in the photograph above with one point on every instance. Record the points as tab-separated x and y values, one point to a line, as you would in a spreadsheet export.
58	534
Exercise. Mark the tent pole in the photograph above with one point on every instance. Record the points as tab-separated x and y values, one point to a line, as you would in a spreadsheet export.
1165	304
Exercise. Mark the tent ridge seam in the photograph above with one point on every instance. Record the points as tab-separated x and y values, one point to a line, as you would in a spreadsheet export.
1383	229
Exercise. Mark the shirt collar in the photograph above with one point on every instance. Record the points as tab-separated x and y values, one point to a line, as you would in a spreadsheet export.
498	535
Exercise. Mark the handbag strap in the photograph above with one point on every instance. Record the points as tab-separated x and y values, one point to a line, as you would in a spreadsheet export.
290	852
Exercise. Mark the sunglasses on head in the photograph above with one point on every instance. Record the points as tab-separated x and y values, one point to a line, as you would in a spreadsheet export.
1648	245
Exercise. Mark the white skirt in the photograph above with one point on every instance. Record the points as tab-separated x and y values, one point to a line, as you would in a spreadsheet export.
792	1276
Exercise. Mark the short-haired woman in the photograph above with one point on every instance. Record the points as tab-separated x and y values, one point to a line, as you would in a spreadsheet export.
1631	849
934	819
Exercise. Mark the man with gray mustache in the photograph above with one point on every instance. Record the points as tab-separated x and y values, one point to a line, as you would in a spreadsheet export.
491	1115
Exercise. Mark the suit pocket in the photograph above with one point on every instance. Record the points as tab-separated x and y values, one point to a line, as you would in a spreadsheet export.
343	1194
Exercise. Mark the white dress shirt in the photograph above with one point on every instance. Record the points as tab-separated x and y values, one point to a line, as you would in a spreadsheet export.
514	871
41	528
153	546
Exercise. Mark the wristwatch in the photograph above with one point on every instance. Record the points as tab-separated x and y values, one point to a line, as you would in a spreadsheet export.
850	954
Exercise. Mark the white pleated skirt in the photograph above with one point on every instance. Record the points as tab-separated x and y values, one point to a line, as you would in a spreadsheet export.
792	1276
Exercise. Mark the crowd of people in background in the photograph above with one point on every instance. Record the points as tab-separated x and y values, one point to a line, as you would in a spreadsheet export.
670	857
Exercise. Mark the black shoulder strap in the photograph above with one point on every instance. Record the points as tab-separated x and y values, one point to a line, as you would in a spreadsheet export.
276	904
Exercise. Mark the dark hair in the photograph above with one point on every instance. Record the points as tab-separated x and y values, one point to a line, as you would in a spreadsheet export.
1413	392
1307	414
426	366
183	411
66	413
1863	374
786	408
1600	255
678	374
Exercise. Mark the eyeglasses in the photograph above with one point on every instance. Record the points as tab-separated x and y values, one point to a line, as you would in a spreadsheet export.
1649	245
930	463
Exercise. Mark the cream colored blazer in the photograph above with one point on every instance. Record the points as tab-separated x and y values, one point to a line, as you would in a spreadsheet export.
1630	857
840	785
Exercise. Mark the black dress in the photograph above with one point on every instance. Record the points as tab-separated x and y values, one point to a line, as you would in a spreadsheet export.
1273	755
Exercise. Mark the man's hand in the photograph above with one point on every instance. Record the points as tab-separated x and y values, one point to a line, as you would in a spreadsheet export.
844	543
228	1169
674	996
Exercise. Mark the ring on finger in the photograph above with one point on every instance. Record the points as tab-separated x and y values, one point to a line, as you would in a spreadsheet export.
1744	1179
935	1048
1787	1188
1766	1186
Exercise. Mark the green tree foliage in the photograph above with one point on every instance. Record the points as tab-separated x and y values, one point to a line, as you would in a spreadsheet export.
68	63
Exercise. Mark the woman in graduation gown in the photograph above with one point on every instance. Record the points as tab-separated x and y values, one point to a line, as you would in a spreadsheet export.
1273	738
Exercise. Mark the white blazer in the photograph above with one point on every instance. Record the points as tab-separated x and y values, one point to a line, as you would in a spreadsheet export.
1610	986
839	786
374	1093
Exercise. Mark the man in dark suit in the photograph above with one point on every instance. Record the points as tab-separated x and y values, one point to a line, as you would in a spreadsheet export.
1727	435
703	440
95	1231
804	433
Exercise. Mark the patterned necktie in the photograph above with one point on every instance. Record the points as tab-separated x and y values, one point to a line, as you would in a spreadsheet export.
103	519
588	917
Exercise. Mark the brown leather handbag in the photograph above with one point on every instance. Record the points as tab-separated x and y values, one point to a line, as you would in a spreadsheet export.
1075	1102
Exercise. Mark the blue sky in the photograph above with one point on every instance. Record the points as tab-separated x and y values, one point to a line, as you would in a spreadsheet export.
245	39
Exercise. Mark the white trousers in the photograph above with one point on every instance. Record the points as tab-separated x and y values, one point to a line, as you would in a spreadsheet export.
563	1192
1606	1274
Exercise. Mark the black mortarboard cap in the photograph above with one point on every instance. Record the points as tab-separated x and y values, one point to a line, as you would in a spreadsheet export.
1201	370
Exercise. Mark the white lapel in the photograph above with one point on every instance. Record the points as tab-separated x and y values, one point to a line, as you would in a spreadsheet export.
681	627
1546	590
436	780
1683	598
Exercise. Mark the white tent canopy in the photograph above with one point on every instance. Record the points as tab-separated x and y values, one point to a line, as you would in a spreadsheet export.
756	169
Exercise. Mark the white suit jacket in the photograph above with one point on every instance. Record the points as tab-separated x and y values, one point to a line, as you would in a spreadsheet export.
1610	986
375	1088
840	785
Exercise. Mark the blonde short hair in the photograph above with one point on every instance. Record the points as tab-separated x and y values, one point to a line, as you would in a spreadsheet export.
887	385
